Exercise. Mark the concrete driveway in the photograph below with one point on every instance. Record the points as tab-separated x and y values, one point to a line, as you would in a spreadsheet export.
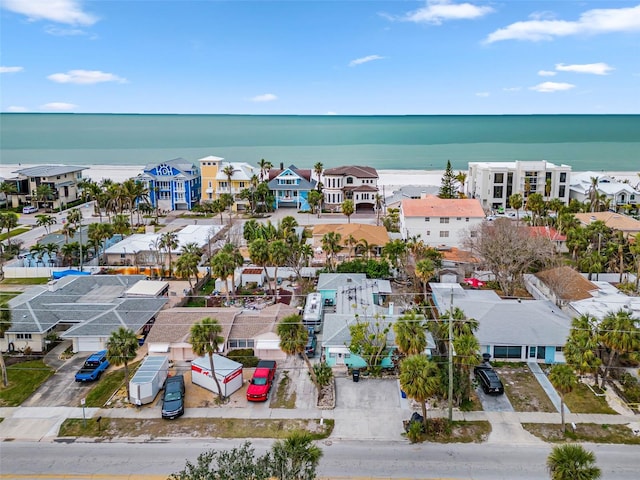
494	403
61	389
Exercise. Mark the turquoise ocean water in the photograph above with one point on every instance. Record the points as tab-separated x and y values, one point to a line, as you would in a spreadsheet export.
586	142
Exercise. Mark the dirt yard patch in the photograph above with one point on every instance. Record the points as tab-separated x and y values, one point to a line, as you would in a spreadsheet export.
522	388
110	428
585	432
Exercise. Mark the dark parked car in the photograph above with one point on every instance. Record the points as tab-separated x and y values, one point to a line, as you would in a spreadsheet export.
488	380
173	398
312	343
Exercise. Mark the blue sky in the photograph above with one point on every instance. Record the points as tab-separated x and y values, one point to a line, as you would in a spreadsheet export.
320	57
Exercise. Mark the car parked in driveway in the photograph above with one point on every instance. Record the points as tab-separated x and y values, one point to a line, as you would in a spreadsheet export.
488	379
173	398
312	343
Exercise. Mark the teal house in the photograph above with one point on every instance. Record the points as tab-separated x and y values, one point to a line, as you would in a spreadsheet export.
349	298
291	187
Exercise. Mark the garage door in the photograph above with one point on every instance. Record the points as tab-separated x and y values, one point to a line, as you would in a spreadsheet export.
90	344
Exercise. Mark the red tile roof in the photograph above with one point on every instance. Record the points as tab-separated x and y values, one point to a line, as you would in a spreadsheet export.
547	232
433	206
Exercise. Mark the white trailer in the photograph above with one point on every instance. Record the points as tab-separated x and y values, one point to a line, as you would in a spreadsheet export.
313	312
149	379
228	373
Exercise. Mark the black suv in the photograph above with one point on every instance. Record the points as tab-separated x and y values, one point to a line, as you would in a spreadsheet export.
173	398
488	380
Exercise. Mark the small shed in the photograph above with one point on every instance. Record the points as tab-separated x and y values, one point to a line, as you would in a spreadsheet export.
228	373
149	379
253	275
148	288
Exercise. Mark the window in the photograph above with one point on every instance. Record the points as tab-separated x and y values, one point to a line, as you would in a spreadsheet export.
558	349
209	183
241	184
444	219
459	218
428	233
23	336
466	219
507	352
563	177
427	219
561	191
444	234
532	352
498	178
349	180
498	191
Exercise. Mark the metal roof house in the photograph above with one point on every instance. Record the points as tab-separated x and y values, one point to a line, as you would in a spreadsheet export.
84	309
519	330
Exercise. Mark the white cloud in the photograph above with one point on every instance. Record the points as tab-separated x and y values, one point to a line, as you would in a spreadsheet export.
267	97
592	68
85	77
369	58
550	87
590	22
512	89
436	12
59	106
16	109
482	94
59	11
11	69
63	32
546	73
331	113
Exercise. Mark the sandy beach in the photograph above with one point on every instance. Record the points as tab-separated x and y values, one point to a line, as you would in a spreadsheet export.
390	179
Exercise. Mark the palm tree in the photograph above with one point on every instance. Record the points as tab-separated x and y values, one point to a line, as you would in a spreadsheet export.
516	202
317	169
620	335
278	255
259	255
52	250
425	270
75	218
564	381
409	330
572	462
205	338
535	203
186	266
8	221
593	194
379	204
265	166
100	233
331	245
466	347
293	339
8	189
315	201
419	379
295	457
44	194
348	209
228	171
44	220
222	266
168	242
581	349
5	324
37	252
122	347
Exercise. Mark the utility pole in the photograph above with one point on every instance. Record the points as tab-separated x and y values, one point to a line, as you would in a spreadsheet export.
451	357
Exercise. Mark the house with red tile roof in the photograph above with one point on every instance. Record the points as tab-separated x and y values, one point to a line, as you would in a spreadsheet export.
559	240
440	222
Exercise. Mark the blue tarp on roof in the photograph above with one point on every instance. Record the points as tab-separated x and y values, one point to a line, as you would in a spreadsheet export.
65	273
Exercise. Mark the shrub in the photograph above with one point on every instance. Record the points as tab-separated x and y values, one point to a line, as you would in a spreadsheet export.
245	356
323	372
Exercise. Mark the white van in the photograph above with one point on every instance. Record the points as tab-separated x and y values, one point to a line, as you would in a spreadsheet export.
29	209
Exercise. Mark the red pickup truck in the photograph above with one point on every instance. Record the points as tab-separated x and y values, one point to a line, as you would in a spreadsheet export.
260	384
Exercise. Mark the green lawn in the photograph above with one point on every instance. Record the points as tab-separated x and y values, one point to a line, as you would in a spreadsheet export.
6	296
583	400
24	379
108	384
14	232
25	281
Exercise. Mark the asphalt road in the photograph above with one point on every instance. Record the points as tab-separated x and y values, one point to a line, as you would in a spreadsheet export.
61	389
341	460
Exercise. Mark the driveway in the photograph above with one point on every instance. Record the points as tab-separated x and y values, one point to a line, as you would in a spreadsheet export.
61	389
494	403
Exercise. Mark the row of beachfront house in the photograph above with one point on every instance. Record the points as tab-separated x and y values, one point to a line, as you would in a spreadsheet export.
179	184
